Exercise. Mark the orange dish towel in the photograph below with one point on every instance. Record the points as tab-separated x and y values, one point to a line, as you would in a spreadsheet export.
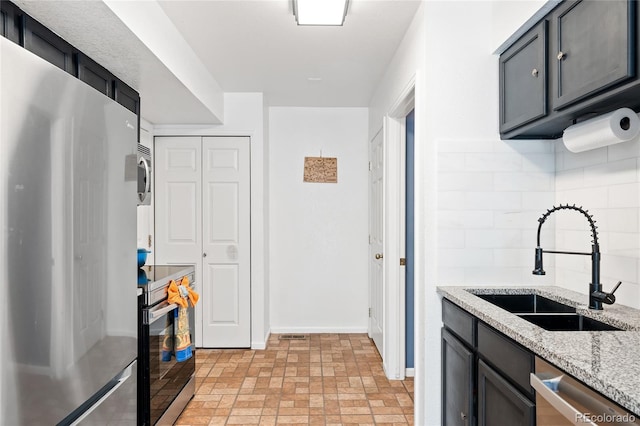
181	295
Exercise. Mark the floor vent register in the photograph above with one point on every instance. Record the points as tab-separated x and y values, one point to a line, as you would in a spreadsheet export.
293	337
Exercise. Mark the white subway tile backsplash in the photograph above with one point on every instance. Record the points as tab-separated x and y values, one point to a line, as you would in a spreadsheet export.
630	149
619	268
592	157
464	258
463	181
514	257
465	146
490	275
538	163
494	238
523	182
538	201
451	276
573	240
491	193
450	162
452	200
465	219
622	220
612	173
622	242
624	195
450	238
589	198
485	200
525	147
492	162
569	179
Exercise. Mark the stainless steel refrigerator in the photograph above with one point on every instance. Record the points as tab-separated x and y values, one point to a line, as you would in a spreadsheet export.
68	293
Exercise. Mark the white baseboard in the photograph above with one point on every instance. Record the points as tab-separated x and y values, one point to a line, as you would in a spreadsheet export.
258	346
313	330
409	372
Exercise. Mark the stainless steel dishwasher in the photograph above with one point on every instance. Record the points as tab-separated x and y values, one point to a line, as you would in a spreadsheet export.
562	400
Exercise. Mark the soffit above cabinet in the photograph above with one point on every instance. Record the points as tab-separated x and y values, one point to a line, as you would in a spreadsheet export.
170	83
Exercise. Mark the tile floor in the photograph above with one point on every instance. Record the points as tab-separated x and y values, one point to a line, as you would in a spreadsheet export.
327	379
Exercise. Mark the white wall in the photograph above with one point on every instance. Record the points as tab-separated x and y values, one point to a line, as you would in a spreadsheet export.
407	65
477	198
511	19
490	195
606	182
318	231
244	117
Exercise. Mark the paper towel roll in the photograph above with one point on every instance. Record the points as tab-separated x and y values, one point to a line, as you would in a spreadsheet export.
620	125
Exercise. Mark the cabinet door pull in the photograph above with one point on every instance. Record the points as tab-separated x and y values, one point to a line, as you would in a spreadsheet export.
534	72
561	55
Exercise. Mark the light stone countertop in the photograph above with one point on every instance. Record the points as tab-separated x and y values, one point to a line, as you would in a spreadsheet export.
607	361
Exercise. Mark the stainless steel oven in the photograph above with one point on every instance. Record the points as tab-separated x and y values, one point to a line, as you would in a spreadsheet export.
165	384
562	400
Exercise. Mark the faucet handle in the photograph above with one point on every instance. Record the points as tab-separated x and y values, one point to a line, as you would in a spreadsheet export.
607	298
610	298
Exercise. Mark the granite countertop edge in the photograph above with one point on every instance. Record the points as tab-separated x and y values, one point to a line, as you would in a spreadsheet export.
566	349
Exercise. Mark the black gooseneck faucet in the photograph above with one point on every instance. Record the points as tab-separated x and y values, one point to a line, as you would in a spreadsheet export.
596	295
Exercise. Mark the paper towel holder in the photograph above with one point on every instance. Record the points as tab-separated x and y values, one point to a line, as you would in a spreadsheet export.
597	131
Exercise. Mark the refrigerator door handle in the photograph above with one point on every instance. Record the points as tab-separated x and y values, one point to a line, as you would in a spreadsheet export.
124	376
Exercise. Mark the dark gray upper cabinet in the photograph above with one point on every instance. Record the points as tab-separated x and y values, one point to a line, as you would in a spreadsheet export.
21	28
523	80
127	97
49	46
591	69
95	75
594	48
10	24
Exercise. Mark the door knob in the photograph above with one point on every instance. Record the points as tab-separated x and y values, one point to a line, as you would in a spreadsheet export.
378	256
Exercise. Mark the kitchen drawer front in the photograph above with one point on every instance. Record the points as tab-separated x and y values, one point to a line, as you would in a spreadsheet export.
512	360
459	321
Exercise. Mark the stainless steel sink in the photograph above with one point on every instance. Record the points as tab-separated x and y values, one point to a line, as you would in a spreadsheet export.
526	303
567	322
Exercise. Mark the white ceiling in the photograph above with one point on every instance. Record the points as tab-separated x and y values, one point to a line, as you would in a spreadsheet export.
247	46
256	46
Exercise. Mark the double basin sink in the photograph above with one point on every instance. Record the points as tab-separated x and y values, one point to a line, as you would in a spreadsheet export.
546	313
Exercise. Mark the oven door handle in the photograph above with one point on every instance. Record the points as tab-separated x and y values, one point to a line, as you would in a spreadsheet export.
152	315
571	413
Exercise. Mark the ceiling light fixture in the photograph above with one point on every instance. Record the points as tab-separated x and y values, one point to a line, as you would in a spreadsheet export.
320	12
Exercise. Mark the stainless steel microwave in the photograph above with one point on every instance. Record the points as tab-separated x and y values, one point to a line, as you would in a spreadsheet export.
144	175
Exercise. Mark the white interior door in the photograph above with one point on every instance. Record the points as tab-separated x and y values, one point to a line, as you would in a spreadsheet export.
226	286
376	240
202	217
178	206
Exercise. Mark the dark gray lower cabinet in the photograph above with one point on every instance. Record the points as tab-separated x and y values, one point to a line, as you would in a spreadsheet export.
457	382
500	403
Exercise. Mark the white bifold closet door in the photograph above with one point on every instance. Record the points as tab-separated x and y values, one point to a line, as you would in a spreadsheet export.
202	195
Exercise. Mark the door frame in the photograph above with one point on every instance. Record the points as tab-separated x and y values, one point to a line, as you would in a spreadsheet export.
394	352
